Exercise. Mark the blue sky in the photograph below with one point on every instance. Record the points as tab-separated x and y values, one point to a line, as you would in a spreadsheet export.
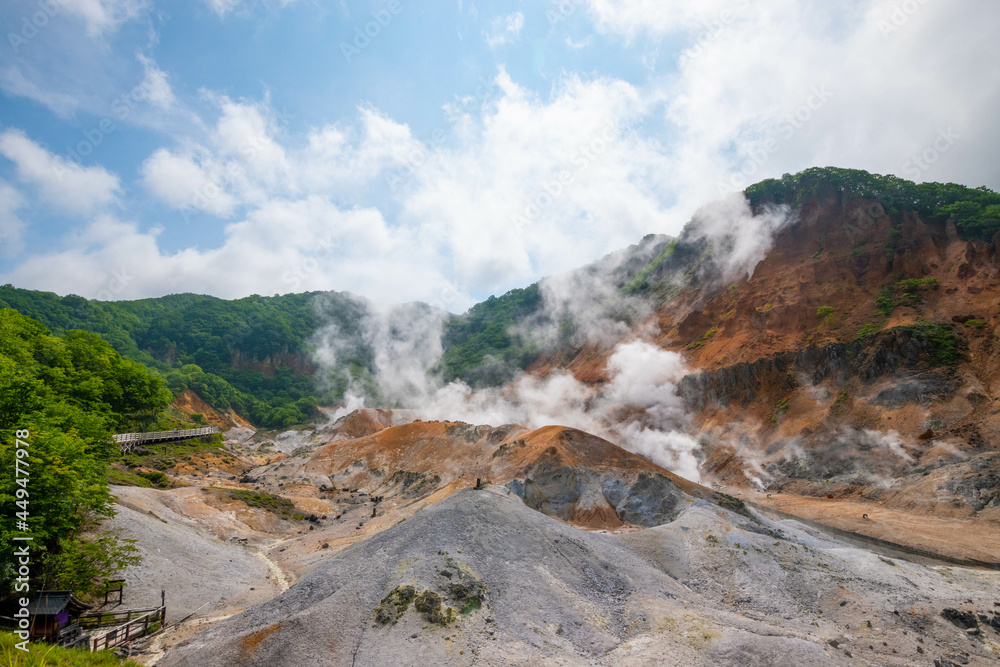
231	147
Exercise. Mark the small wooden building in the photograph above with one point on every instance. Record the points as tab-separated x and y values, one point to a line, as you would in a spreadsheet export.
53	615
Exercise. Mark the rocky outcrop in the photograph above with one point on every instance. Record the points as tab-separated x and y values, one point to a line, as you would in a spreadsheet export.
299	362
886	354
585	497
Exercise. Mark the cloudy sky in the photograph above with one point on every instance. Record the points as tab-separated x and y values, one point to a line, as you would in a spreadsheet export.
446	151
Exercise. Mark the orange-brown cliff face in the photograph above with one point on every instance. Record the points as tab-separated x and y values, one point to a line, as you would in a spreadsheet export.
190	403
792	367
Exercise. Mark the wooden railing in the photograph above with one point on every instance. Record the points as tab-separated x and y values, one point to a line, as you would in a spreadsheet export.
129	440
107	619
133	629
68	634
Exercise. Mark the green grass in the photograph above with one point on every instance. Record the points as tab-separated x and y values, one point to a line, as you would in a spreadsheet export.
975	324
153	479
49	655
165	455
120	477
263	500
910	286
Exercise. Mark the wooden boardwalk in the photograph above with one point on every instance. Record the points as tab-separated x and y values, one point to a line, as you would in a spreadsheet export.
124	626
129	440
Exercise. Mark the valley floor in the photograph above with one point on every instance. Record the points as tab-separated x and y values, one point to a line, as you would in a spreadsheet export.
968	539
708	586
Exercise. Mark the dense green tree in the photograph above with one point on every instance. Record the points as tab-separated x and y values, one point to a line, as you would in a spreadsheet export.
69	394
221	338
975	211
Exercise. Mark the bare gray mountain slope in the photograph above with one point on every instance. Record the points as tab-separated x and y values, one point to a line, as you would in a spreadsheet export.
482	579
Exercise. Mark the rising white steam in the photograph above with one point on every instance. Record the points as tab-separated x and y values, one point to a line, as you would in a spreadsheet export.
638	408
585	307
738	239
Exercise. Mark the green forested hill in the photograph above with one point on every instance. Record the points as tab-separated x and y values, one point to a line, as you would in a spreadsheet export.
975	211
193	341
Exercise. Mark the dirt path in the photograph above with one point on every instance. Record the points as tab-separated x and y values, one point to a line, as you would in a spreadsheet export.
969	538
176	634
279	575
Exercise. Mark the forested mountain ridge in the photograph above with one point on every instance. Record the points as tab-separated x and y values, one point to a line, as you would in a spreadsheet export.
251	355
256	355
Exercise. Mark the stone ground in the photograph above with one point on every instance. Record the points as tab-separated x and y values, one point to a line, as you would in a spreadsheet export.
709	588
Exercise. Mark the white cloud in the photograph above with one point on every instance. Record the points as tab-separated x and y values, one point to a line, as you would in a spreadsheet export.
223	7
239	163
337	156
72	68
61	183
505	29
183	183
748	68
631	18
524	185
11	226
155	86
284	246
13	82
102	16
242	162
542	186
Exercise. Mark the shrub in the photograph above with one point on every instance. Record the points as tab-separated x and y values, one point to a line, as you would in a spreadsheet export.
944	343
262	500
868	329
156	477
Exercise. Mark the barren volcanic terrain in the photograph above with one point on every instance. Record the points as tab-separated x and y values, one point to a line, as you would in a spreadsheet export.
572	551
836	398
